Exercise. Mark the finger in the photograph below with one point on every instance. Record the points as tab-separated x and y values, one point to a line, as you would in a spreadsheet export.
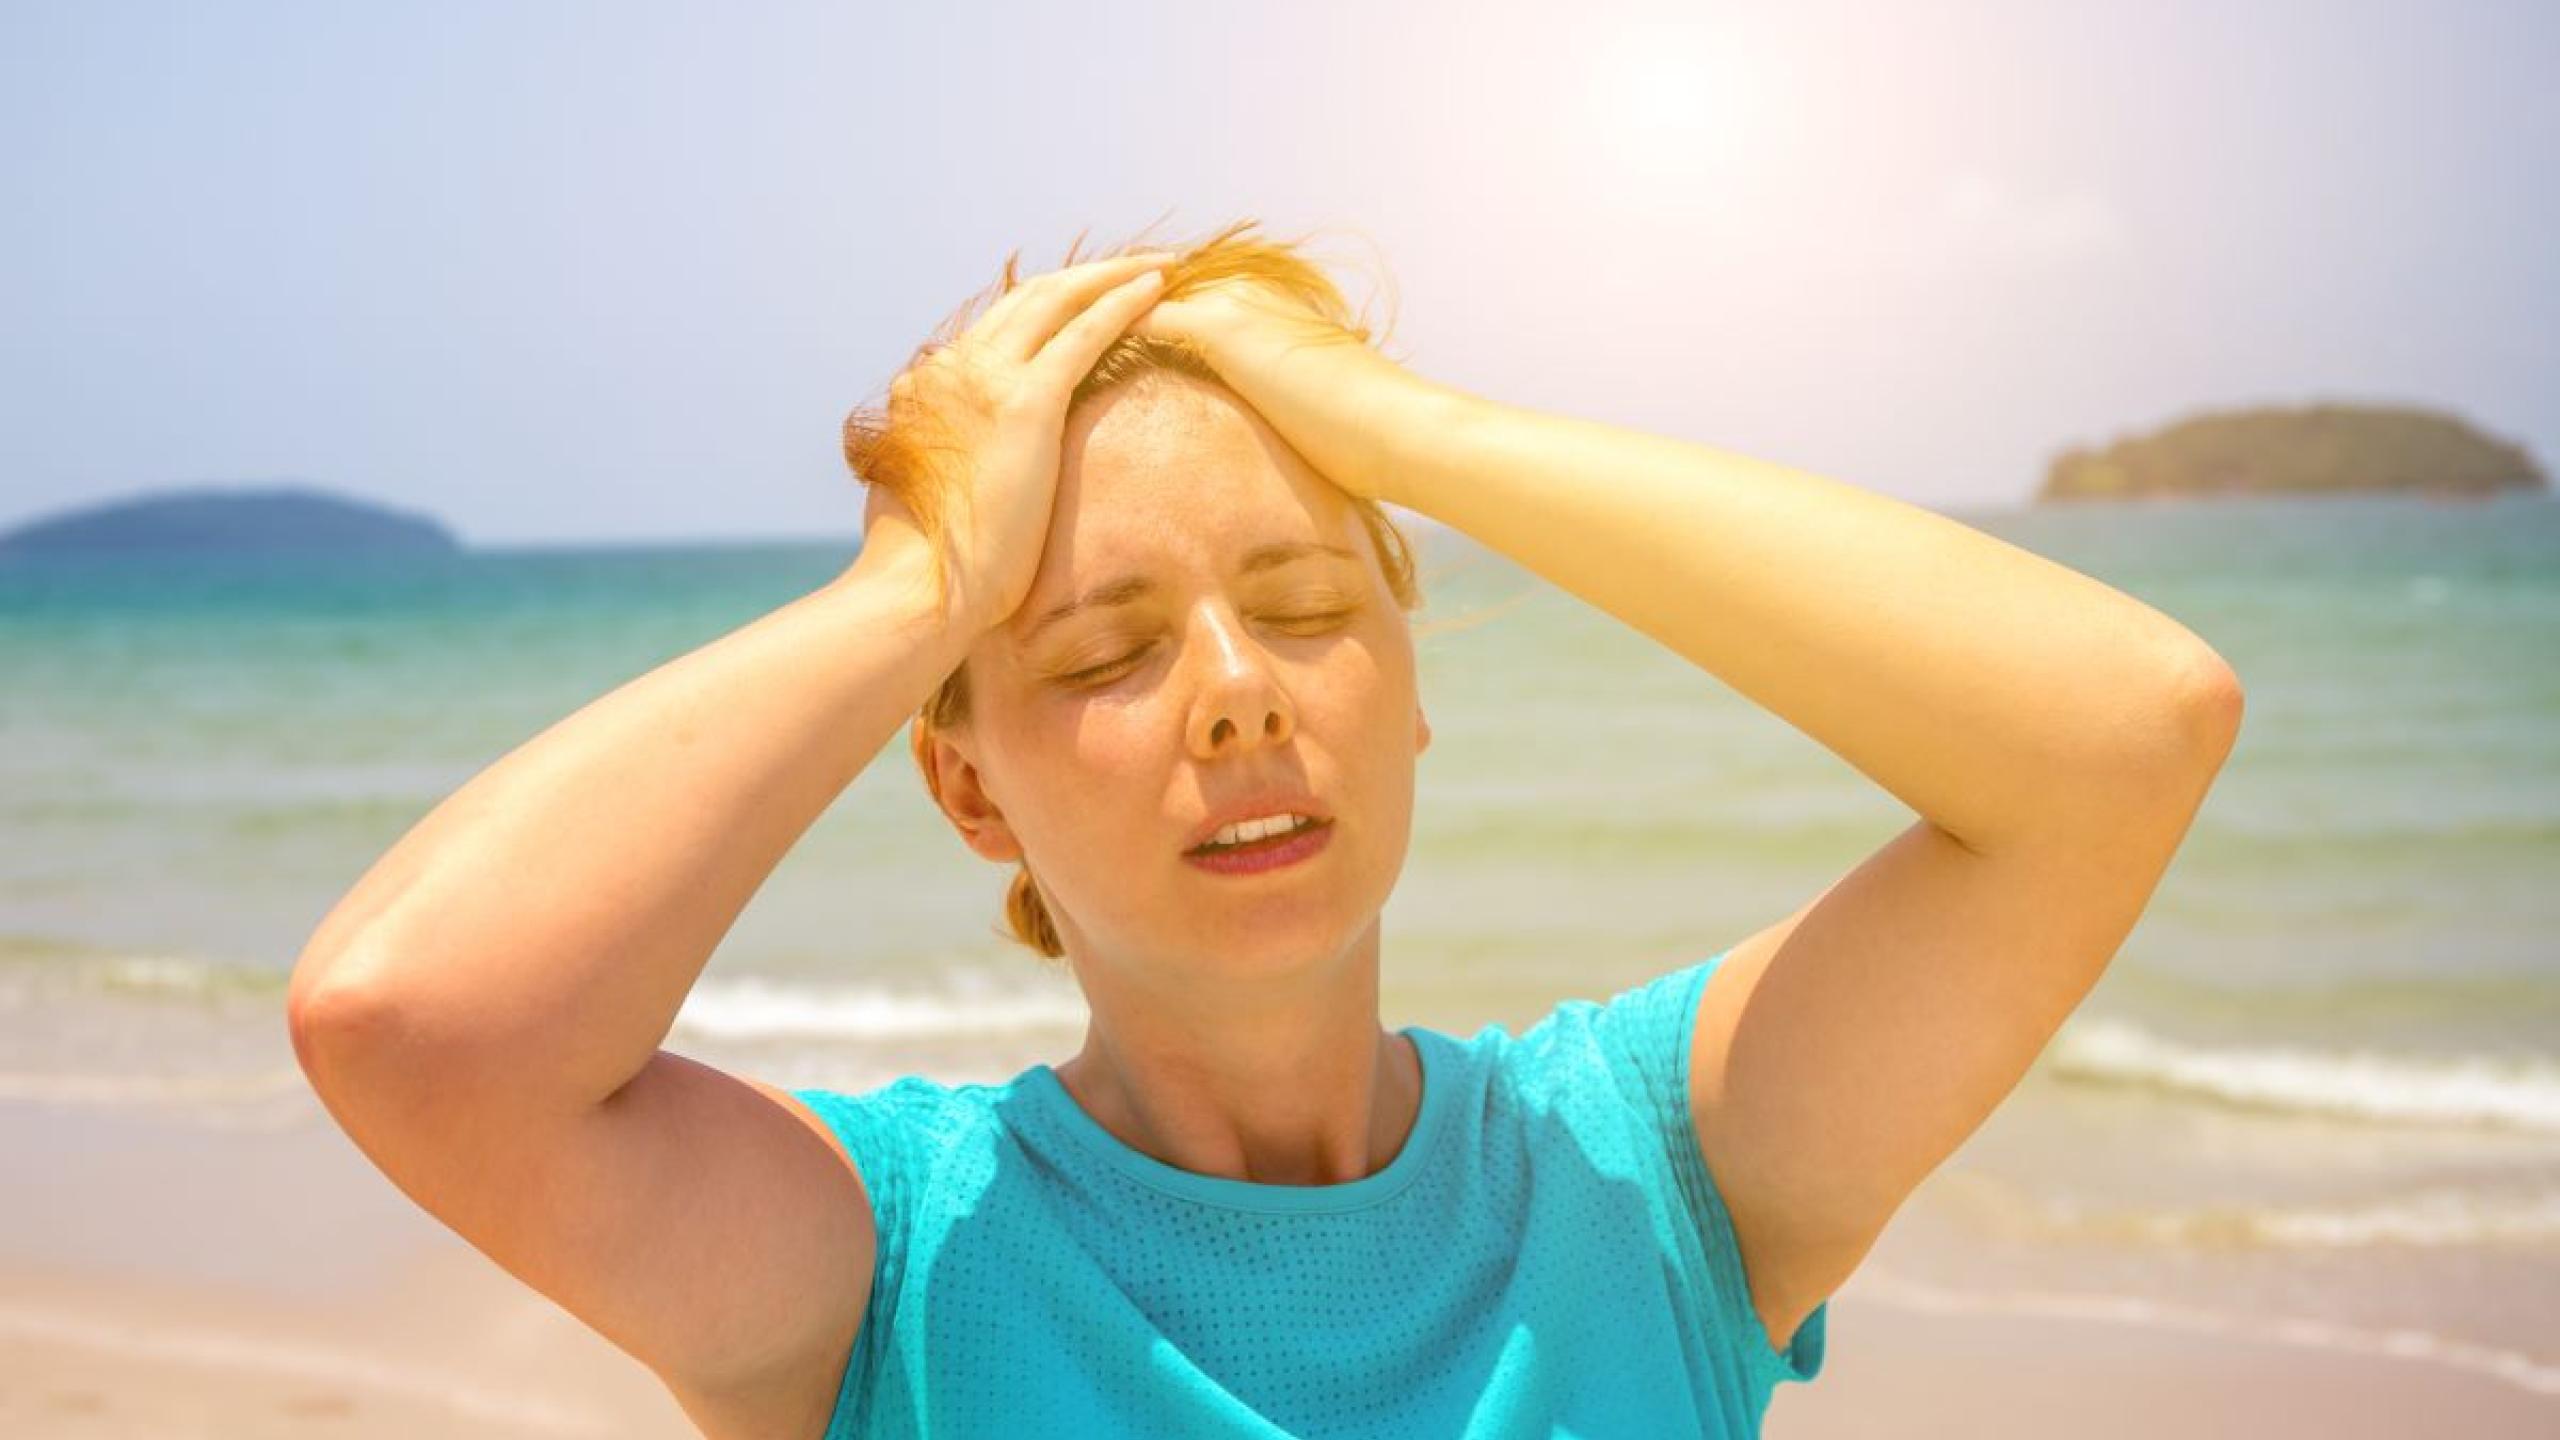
1018	330
1024	317
1002	312
1072	351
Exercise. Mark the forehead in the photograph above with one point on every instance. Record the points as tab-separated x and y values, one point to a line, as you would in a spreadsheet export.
1171	469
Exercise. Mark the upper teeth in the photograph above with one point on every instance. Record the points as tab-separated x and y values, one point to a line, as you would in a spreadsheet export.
1244	830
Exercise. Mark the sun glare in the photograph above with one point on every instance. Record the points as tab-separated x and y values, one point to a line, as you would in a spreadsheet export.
1673	109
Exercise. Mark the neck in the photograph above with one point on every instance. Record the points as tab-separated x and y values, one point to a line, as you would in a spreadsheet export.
1308	1089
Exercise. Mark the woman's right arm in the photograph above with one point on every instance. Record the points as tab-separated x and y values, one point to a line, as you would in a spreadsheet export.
541	927
482	1012
544	923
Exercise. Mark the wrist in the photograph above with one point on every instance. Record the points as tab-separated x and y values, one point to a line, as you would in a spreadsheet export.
1418	441
897	579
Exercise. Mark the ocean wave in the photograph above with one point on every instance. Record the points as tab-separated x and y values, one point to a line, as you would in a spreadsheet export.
2428	1219
2490	1091
2468	999
1880	1286
960	1000
2367	861
2286	830
30	964
963	1000
2437	1218
172	975
965	1003
969	1003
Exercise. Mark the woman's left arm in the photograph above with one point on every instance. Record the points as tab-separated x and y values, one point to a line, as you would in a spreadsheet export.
2002	696
2055	735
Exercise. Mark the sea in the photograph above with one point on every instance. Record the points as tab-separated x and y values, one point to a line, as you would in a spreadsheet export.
2315	1095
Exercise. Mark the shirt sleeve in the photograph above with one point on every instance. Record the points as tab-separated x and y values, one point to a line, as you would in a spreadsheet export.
1645	1032
884	1131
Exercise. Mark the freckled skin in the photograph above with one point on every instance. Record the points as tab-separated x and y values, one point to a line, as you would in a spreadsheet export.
1235	1020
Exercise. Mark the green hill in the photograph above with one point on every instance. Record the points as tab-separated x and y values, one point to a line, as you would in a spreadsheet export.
291	516
2317	449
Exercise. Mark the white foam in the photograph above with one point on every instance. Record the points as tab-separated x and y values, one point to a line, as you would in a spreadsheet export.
967	1001
2427	1219
148	974
2401	1343
2434	1218
2473	1090
181	974
754	1008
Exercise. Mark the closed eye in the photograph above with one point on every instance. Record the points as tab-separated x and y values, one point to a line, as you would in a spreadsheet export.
1325	618
1096	674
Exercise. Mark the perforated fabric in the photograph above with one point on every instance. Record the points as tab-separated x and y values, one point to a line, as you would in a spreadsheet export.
1546	1255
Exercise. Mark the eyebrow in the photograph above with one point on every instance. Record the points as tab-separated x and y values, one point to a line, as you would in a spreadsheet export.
1127	588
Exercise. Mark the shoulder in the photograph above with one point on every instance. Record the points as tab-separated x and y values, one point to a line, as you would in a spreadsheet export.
1630	1046
903	1125
906	1142
1621	1065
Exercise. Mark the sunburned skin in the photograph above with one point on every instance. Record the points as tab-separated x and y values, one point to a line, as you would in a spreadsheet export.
1235	1024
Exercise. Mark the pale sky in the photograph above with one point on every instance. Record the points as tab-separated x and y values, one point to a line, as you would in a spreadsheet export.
615	271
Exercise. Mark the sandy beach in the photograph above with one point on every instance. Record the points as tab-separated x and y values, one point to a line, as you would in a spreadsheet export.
291	1291
86	1356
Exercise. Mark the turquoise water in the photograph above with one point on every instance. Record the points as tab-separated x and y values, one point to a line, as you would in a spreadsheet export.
2336	1030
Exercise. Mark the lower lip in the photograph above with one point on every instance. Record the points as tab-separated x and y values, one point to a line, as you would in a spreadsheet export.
1253	862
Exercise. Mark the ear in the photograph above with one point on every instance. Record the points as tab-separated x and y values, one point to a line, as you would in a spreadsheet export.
961	792
1421	731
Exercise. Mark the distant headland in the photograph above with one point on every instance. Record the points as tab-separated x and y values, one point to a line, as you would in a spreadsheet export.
2312	450
290	515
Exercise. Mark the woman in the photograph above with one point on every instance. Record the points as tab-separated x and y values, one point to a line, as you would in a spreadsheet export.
1124	552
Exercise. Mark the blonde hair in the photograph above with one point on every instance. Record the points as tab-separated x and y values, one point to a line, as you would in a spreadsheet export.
880	454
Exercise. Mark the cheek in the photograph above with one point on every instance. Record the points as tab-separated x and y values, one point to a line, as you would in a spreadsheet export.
1366	691
1104	769
1112	737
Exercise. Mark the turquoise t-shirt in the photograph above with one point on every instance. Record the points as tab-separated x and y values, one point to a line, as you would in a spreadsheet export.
1546	1255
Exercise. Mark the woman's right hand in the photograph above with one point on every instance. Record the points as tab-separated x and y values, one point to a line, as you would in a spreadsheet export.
992	406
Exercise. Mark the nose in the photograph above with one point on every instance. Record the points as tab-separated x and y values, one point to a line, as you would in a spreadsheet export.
1240	702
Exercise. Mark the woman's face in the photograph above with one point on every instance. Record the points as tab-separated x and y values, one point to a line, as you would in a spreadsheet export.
1100	742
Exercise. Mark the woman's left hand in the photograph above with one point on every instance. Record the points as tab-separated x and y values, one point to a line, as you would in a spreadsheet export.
1349	411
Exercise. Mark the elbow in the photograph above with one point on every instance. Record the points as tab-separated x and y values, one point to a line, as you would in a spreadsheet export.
322	1014
323	993
2176	742
349	1024
312	989
2152	776
2209	703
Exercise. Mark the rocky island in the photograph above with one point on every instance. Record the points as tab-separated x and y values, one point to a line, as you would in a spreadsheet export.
2311	450
285	516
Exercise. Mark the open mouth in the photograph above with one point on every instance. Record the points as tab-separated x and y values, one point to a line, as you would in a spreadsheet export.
1274	841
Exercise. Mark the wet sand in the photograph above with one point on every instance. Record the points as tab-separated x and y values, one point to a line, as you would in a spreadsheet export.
157	1281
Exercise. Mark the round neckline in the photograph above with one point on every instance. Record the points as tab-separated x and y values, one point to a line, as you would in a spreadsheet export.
1236	1194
